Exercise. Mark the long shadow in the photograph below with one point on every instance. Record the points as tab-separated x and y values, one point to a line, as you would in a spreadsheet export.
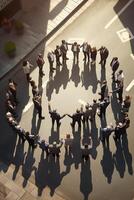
54	135
86	134
42	174
95	140
127	154
55	175
86	185
119	159
75	77
28	167
89	76
35	123
85	76
61	78
18	158
76	149
107	164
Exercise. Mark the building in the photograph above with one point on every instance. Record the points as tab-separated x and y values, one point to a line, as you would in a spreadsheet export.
8	8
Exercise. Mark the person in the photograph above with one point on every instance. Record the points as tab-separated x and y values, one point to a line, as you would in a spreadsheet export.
76	50
11	120
103	106
120	78
11	108
87	114
104	90
27	69
86	150
120	129
119	90
50	57
68	142
37	105
103	55
32	139
40	62
12	86
57	53
64	49
93	55
43	146
105	134
86	48
126	104
126	121
21	132
35	90
94	105
54	149
76	117
114	66
55	116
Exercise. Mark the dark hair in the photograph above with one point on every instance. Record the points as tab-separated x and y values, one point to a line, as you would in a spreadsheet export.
24	63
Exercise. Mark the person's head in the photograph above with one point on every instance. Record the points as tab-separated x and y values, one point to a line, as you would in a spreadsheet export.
63	41
24	62
115	58
75	43
57	46
120	71
86	146
8	114
32	83
54	143
127	97
94	100
87	106
27	133
54	110
67	135
77	111
104	82
40	55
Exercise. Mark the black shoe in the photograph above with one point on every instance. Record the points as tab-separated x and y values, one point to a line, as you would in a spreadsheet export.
41	117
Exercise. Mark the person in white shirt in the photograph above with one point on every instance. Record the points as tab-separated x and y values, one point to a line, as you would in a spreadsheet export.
27	68
75	49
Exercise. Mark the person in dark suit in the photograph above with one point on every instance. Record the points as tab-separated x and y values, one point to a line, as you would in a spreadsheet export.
57	53
76	117
104	90
103	55
64	49
93	55
86	48
38	106
50	57
75	49
103	106
55	116
40	62
114	66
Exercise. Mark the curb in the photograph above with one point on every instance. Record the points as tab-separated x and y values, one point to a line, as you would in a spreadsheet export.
48	36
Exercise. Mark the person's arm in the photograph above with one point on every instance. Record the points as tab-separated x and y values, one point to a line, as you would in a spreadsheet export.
62	116
69	115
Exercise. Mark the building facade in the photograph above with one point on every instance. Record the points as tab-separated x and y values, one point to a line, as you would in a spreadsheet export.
8	8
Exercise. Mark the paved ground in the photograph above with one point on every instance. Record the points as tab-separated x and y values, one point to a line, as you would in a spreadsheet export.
109	175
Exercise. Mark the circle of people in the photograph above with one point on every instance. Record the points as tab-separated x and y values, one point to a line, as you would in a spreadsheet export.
85	114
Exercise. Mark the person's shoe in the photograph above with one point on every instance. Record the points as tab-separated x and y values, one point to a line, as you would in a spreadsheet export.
41	118
67	58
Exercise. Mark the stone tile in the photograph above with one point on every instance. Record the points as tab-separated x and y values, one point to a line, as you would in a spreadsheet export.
27	196
15	188
3	179
12	196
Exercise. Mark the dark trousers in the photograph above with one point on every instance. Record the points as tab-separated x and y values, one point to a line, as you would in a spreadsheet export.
86	55
28	77
57	121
